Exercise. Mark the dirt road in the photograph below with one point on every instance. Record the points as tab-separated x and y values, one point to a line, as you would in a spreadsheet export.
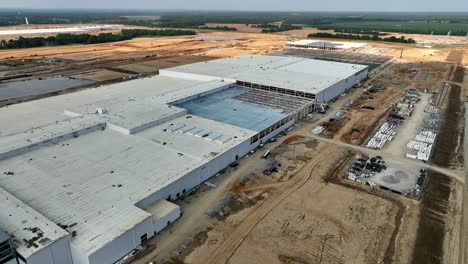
224	252
197	219
463	256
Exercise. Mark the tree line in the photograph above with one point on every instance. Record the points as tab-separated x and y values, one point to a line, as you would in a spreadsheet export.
220	28
272	28
68	39
193	24
360	31
420	27
401	39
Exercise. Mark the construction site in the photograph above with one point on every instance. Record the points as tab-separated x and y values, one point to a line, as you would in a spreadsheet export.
233	148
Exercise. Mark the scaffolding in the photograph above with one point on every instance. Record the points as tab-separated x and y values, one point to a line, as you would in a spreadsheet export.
287	103
295	107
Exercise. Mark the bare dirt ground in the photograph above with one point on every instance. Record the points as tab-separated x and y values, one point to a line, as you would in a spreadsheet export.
431	39
249	42
138	57
303	220
358	123
153	66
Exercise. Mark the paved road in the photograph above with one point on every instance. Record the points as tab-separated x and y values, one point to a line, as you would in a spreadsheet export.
454	174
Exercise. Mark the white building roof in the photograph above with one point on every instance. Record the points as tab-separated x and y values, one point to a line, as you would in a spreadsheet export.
48	110
161	209
76	181
324	43
56	30
22	222
300	74
92	182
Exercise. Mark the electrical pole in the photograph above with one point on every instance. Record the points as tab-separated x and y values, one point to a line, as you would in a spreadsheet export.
401	54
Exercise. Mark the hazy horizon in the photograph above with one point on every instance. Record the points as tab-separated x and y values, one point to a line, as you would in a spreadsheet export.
256	5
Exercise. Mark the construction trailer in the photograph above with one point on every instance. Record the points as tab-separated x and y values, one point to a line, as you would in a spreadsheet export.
89	177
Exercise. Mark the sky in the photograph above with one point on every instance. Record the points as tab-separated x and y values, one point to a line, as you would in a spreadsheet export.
250	5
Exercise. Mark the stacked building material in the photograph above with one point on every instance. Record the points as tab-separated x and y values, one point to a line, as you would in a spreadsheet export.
318	130
431	109
385	133
426	136
422	144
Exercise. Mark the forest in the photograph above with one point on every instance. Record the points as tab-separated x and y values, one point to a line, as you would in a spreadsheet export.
272	28
401	39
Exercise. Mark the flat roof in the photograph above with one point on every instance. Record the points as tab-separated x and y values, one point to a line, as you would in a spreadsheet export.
22	222
49	110
90	180
85	182
161	209
328	44
300	74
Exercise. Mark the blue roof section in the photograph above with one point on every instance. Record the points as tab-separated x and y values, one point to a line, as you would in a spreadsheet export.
221	106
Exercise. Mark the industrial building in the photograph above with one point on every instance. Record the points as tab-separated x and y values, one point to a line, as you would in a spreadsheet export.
87	177
324	45
316	80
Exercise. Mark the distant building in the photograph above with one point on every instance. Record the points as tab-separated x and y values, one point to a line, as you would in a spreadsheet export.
324	45
52	31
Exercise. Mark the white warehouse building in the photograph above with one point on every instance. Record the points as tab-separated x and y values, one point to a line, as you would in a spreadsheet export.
318	80
87	177
324	45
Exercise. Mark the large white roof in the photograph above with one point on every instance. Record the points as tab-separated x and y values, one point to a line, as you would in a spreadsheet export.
299	74
48	110
87	181
76	180
23	223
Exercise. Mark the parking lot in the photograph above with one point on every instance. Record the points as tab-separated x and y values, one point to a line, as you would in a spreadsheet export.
388	175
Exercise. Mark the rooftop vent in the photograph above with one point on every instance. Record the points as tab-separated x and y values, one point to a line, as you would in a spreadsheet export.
101	111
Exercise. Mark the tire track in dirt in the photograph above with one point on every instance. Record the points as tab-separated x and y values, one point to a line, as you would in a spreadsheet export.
226	250
401	209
